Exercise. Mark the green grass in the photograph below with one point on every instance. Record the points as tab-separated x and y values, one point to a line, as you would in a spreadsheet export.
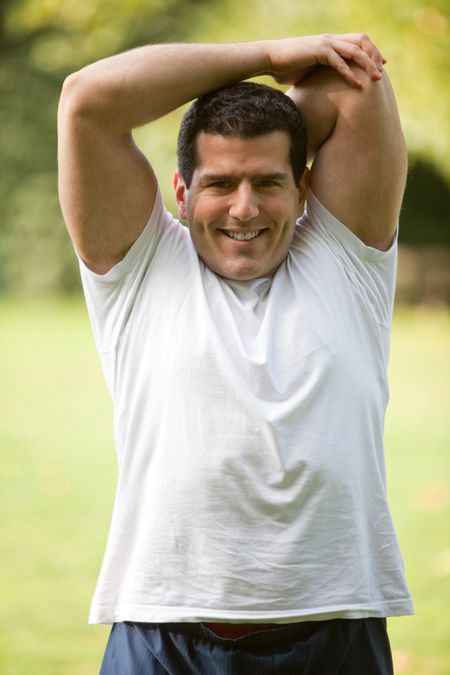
58	476
418	462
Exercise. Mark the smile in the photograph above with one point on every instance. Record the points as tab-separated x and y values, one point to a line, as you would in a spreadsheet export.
242	236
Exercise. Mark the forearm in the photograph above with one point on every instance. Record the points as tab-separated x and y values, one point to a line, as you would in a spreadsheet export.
130	89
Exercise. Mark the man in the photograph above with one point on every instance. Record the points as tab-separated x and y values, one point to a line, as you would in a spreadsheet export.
246	357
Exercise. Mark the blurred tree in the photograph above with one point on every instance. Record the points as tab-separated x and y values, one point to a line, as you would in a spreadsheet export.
426	207
41	41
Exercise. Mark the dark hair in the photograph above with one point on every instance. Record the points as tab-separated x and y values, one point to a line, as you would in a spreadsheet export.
245	110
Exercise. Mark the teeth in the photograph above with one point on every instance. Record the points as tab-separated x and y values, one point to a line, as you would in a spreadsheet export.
242	236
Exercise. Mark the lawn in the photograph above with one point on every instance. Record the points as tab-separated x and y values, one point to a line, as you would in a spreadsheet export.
58	476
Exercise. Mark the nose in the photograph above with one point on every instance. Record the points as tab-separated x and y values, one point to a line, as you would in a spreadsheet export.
244	203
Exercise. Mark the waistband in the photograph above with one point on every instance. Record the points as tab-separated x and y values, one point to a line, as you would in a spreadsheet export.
252	635
232	631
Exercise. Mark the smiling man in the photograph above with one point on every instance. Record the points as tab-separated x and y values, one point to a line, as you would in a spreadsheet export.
246	355
242	204
242	191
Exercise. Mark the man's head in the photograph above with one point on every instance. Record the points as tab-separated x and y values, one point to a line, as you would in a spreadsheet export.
244	110
241	182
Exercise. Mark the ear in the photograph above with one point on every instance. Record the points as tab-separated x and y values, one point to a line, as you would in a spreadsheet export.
303	189
180	190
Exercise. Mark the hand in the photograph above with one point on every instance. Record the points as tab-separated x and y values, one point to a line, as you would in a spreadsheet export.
292	59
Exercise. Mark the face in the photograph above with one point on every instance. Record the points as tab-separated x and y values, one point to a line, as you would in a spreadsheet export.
242	204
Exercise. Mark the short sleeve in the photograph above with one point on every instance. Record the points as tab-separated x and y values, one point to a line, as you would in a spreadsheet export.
110	297
372	272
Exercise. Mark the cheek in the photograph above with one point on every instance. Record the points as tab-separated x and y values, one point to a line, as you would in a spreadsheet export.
200	213
283	207
212	208
286	215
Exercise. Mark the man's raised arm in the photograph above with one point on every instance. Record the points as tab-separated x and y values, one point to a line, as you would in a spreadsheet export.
107	187
360	160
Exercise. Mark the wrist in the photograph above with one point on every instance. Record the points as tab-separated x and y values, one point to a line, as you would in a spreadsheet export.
253	57
264	48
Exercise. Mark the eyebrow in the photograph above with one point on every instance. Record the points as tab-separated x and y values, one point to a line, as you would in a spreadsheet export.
211	177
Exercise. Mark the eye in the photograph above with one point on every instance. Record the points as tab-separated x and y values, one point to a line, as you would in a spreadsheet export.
220	184
268	183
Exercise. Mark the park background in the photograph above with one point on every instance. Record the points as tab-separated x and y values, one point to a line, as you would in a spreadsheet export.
57	459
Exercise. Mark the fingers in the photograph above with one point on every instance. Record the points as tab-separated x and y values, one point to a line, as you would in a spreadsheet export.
365	43
342	67
292	59
357	48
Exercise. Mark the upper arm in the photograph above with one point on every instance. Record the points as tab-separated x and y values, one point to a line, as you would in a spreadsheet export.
360	163
107	188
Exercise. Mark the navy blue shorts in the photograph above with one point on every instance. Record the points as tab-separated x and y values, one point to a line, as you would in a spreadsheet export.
336	647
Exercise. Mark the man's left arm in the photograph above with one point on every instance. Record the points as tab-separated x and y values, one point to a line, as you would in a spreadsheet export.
360	160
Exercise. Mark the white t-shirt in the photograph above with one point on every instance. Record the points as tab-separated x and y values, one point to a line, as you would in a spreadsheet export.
249	427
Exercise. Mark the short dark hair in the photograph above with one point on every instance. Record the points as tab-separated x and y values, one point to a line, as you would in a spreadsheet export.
245	110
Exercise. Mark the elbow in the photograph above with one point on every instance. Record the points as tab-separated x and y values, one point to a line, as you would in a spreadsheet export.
373	104
73	100
70	83
373	92
80	95
87	96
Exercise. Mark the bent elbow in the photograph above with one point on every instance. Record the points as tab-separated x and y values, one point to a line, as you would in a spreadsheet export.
79	95
73	100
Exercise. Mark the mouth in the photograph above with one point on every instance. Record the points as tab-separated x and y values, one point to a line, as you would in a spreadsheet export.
242	236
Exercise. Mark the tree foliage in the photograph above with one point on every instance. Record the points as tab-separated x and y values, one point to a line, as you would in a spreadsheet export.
42	41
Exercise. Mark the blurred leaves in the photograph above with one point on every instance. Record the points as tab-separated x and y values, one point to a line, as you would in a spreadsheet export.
67	35
42	41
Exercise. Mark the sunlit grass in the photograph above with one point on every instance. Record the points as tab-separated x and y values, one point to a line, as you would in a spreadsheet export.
417	448
58	476
57	463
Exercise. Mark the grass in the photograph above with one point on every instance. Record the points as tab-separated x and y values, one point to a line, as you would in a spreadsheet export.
418	461
58	478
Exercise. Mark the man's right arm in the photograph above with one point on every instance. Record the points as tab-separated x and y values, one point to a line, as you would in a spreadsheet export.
107	187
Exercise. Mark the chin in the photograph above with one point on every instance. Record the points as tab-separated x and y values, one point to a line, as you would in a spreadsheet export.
241	277
244	273
241	269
